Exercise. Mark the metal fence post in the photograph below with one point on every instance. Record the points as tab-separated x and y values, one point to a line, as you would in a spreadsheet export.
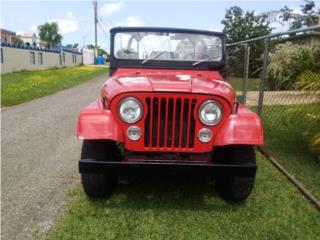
263	75
246	74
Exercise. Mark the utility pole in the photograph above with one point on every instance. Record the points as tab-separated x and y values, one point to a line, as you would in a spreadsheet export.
95	3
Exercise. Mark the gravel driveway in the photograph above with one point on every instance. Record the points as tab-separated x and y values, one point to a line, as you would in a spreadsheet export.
39	159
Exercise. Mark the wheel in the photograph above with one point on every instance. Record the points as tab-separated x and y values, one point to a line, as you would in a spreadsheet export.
235	189
99	185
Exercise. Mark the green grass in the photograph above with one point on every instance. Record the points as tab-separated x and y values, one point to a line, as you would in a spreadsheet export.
19	87
237	83
286	129
152	209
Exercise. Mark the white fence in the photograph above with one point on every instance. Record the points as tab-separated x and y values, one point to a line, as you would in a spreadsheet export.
17	58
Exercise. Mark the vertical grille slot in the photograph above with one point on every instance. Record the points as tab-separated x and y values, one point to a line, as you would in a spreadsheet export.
192	124
162	121
155	122
185	123
170	122
177	123
147	125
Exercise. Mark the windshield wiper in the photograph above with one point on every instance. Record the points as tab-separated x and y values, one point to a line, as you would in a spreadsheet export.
202	60
153	57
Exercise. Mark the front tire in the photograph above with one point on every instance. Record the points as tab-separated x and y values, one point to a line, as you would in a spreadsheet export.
235	189
99	185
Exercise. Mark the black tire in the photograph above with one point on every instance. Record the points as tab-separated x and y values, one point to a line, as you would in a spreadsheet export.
99	185
235	189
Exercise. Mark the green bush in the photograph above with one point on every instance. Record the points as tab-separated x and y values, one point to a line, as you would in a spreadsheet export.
287	61
307	117
309	81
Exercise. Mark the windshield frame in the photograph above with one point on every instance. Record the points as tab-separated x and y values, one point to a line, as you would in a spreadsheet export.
165	64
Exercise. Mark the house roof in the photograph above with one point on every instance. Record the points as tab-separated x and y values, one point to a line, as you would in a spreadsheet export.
7	31
28	34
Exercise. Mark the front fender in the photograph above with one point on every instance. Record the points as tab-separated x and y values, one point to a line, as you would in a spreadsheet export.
244	127
97	123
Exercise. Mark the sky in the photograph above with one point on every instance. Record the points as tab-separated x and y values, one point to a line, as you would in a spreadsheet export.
76	18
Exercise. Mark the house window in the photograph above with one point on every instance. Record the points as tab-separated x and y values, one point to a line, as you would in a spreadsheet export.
60	59
32	58
64	57
40	58
1	55
75	58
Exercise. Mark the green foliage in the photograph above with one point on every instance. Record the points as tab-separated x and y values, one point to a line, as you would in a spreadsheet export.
314	144
288	130
100	50
309	81
49	32
307	17
75	45
287	61
17	41
23	86
308	120
239	26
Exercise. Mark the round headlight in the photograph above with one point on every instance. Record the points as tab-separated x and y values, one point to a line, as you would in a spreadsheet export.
205	135
134	133
210	113
130	110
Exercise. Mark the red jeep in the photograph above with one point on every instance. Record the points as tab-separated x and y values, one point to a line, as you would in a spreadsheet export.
166	108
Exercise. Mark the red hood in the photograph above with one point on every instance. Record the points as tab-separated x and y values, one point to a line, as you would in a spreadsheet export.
150	80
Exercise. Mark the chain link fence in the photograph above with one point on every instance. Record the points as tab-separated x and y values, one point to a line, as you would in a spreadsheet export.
277	76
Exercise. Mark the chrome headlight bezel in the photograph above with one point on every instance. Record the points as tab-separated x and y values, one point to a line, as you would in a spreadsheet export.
216	121
137	102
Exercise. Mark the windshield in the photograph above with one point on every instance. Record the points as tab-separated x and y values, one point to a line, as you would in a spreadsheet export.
167	46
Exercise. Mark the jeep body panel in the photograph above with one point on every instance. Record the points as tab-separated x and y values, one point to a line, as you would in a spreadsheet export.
239	124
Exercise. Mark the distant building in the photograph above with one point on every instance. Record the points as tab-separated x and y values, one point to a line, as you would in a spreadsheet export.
29	38
40	43
8	36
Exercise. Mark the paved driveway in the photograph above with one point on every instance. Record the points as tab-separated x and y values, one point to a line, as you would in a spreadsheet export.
39	158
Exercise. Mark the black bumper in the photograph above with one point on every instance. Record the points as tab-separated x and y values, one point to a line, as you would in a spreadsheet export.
161	167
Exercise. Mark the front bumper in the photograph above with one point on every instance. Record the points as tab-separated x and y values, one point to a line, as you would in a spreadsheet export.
164	167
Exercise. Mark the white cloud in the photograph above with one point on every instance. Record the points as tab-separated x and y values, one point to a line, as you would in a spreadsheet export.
215	30
19	32
67	25
110	8
131	22
33	27
70	14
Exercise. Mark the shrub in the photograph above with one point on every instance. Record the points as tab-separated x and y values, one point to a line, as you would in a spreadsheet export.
309	81
287	61
307	117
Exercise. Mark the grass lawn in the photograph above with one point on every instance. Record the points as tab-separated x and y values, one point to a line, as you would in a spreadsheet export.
173	210
24	86
286	140
237	82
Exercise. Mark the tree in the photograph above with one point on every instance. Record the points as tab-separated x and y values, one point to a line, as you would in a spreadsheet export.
75	45
100	50
308	16
49	32
17	41
239	26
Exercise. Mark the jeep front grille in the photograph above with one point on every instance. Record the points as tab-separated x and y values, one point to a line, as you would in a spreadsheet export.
169	122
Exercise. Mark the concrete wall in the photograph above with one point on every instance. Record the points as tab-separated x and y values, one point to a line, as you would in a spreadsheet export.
16	59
